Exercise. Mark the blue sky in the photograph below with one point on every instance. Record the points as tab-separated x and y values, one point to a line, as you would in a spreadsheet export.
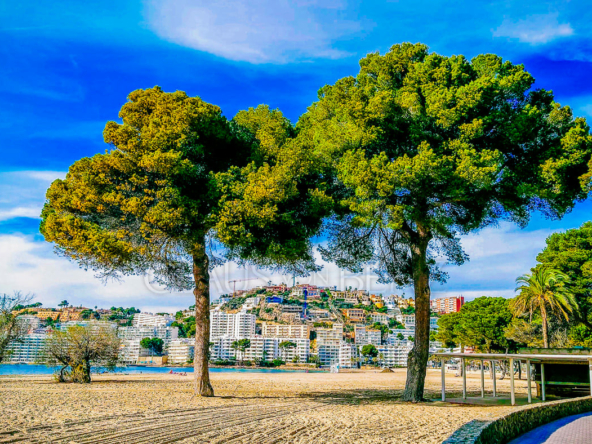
67	67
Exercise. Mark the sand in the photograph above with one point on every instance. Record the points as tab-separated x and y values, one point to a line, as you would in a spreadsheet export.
248	408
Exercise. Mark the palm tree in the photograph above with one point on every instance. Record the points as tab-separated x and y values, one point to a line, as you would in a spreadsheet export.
241	345
545	289
284	346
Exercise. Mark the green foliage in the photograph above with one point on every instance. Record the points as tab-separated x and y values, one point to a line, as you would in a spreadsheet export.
384	329
449	143
11	329
408	310
234	303
18	307
581	335
481	323
322	324
448	330
400	337
154	345
122	313
546	290
393	323
369	350
277	362
88	313
180	175
571	253
79	348
420	148
186	326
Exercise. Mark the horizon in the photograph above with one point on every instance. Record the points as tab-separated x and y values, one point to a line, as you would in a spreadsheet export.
69	67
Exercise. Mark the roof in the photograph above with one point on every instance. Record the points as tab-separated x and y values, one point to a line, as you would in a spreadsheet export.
520	356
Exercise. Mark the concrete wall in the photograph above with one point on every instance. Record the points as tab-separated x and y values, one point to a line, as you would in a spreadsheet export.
512	425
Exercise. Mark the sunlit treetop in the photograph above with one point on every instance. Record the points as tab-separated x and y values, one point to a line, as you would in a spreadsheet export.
428	146
180	177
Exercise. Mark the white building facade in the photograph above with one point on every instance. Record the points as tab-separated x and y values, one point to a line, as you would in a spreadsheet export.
237	325
152	320
181	351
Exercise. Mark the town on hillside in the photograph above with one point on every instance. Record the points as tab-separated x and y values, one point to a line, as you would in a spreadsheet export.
269	326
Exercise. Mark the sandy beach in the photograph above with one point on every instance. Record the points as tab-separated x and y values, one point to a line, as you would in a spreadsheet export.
248	408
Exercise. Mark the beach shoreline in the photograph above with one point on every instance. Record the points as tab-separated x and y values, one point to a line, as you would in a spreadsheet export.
320	407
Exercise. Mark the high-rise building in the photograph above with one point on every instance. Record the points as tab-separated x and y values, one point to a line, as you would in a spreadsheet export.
330	336
329	343
152	320
181	350
409	322
261	347
447	305
285	330
29	349
364	335
131	336
237	325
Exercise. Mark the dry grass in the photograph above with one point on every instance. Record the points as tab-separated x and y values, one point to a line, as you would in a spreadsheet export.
248	407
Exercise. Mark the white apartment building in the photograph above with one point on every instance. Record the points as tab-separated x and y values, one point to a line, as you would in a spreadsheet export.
318	313
364	335
28	350
181	350
296	309
341	354
351	298
381	318
311	291
130	349
409	322
31	322
285	330
152	320
266	348
330	336
328	353
393	338
348	355
238	325
252	302
395	355
396	314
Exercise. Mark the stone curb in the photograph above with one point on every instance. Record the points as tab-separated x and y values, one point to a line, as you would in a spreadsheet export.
520	421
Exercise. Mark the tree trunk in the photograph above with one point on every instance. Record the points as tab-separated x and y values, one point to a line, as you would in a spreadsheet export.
201	275
545	327
418	356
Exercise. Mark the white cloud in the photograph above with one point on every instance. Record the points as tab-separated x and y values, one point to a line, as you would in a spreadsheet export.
498	255
257	31
32	267
22	193
32	212
535	29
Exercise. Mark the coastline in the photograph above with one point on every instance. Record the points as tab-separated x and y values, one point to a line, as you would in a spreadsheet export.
320	407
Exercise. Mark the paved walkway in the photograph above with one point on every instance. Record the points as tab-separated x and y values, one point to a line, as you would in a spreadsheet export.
575	429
